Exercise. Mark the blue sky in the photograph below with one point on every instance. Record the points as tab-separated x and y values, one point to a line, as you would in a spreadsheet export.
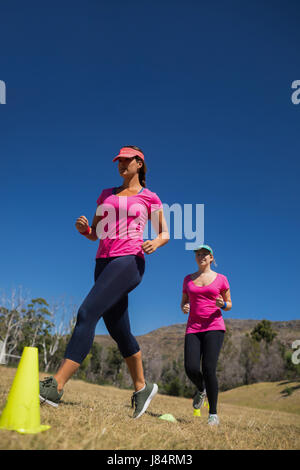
204	88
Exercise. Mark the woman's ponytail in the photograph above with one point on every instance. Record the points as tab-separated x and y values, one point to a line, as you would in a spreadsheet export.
142	173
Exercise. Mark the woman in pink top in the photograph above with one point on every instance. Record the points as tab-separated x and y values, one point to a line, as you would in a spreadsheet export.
119	222
204	293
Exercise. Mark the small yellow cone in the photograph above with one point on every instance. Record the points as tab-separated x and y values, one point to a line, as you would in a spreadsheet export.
206	405
22	410
168	417
197	412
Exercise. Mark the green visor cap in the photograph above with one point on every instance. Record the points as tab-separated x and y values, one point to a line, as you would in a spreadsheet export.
206	247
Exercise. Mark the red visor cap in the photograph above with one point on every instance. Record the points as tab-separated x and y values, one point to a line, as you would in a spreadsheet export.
127	152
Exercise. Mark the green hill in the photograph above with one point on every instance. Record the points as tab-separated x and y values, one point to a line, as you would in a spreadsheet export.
240	362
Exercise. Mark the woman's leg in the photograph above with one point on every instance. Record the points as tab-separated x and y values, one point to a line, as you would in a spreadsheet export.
212	343
65	372
192	358
135	367
118	277
117	323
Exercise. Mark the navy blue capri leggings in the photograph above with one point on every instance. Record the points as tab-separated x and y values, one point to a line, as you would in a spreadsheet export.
114	278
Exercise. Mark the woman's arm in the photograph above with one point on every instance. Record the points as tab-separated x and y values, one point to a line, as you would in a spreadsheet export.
82	225
224	297
185	305
160	226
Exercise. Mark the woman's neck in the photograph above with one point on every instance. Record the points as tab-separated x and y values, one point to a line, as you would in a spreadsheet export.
132	183
205	270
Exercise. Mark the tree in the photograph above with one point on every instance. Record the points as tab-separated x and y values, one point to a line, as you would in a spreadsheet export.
11	322
114	364
53	341
249	356
36	324
228	367
263	331
173	378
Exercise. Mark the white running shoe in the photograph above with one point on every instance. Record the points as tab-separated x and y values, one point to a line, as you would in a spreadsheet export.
213	420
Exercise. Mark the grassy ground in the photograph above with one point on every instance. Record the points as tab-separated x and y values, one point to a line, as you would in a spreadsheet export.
99	417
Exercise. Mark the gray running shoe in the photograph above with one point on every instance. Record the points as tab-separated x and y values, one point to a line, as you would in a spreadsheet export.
213	420
49	393
141	399
198	400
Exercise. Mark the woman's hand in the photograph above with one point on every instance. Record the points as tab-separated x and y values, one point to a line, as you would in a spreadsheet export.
219	301
149	246
186	308
82	224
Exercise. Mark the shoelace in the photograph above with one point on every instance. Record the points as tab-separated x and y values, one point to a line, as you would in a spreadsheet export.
200	395
47	381
133	400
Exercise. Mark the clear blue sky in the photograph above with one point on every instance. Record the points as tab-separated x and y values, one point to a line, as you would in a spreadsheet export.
204	88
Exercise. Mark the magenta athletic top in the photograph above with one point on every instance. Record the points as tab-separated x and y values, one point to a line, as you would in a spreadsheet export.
123	221
204	314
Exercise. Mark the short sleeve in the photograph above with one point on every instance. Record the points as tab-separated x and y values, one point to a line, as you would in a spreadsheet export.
154	204
100	199
103	195
184	287
225	283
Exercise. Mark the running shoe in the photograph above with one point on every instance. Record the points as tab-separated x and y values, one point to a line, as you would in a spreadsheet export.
213	420
141	400
198	399
49	393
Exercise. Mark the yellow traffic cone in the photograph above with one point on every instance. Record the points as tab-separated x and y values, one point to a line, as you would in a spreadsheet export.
22	410
197	412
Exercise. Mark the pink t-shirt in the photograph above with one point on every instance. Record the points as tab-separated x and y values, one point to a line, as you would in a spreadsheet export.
123	219
204	314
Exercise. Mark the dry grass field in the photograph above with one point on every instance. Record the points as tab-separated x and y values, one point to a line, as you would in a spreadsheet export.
92	417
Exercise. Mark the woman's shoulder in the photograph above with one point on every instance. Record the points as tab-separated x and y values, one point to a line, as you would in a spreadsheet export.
148	192
104	194
150	197
107	190
223	280
220	275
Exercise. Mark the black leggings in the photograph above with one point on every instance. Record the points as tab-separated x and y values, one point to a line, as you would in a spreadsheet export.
114	279
205	345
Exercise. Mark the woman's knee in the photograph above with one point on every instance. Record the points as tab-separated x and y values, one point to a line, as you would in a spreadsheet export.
191	370
128	346
84	320
81	315
209	371
128	352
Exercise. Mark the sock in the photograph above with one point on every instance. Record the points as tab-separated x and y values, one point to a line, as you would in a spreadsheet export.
141	389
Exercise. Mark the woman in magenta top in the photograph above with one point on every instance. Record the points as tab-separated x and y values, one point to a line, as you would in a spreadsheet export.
204	294
119	222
